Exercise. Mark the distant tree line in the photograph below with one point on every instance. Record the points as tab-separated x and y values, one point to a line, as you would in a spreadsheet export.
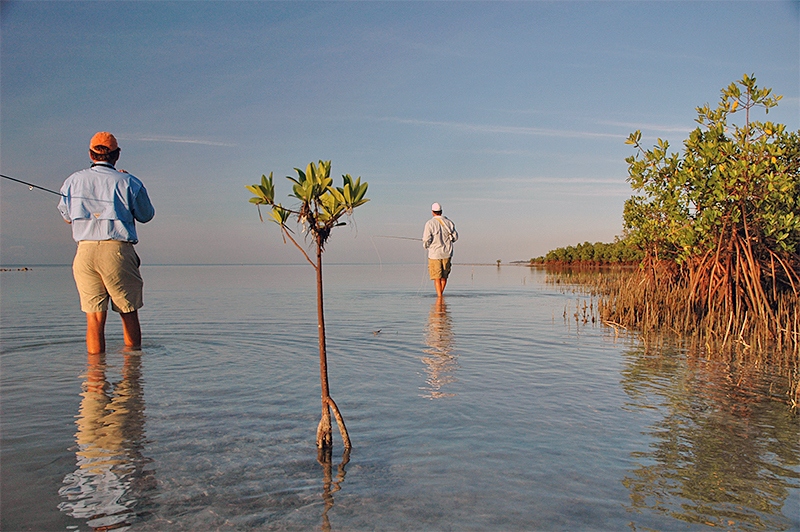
599	253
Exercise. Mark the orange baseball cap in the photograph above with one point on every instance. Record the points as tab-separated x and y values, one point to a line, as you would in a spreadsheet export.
104	139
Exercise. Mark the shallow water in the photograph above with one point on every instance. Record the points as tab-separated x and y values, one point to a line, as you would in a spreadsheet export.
496	410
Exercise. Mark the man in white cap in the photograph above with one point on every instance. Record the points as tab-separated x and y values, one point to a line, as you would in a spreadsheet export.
103	205
438	238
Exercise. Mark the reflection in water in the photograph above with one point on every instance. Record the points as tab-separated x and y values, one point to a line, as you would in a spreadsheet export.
714	458
111	483
331	486
442	364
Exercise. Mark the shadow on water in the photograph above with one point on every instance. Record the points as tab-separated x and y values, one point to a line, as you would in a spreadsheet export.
111	486
441	363
713	459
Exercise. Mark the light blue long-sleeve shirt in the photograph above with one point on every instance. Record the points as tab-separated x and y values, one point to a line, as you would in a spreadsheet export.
438	237
102	203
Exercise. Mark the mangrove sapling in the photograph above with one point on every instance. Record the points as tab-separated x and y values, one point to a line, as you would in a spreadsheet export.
321	207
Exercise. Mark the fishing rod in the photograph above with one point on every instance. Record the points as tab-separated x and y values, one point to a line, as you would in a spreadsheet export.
32	186
399	237
387	236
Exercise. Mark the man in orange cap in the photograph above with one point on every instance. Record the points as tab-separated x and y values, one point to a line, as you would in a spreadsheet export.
103	205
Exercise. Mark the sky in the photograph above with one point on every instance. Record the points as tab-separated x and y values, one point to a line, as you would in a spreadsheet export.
512	115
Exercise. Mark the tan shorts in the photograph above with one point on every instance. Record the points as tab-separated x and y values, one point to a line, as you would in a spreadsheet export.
108	269
439	268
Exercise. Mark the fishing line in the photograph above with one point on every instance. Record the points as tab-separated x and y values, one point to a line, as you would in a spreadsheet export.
424	272
385	236
422	282
376	251
424	275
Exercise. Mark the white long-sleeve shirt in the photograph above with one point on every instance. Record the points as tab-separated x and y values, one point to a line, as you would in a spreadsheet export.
438	237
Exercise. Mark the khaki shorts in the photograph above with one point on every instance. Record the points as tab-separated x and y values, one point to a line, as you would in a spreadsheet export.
108	269
439	268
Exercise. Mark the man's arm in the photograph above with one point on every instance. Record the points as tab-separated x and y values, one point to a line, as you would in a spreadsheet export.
427	236
62	204
143	210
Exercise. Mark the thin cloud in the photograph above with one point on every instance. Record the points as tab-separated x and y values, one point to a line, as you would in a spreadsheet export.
572	180
516	180
177	140
513	130
650	127
584	192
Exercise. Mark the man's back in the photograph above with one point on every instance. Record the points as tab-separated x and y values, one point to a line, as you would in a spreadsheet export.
438	237
104	204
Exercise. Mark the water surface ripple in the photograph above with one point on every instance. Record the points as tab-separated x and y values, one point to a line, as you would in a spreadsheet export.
494	409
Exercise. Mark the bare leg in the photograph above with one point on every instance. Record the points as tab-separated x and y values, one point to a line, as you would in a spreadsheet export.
131	329
440	284
96	332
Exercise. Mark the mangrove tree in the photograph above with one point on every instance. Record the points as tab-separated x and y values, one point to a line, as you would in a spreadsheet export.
321	208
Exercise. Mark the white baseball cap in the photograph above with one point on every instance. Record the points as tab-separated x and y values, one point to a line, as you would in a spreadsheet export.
436	207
